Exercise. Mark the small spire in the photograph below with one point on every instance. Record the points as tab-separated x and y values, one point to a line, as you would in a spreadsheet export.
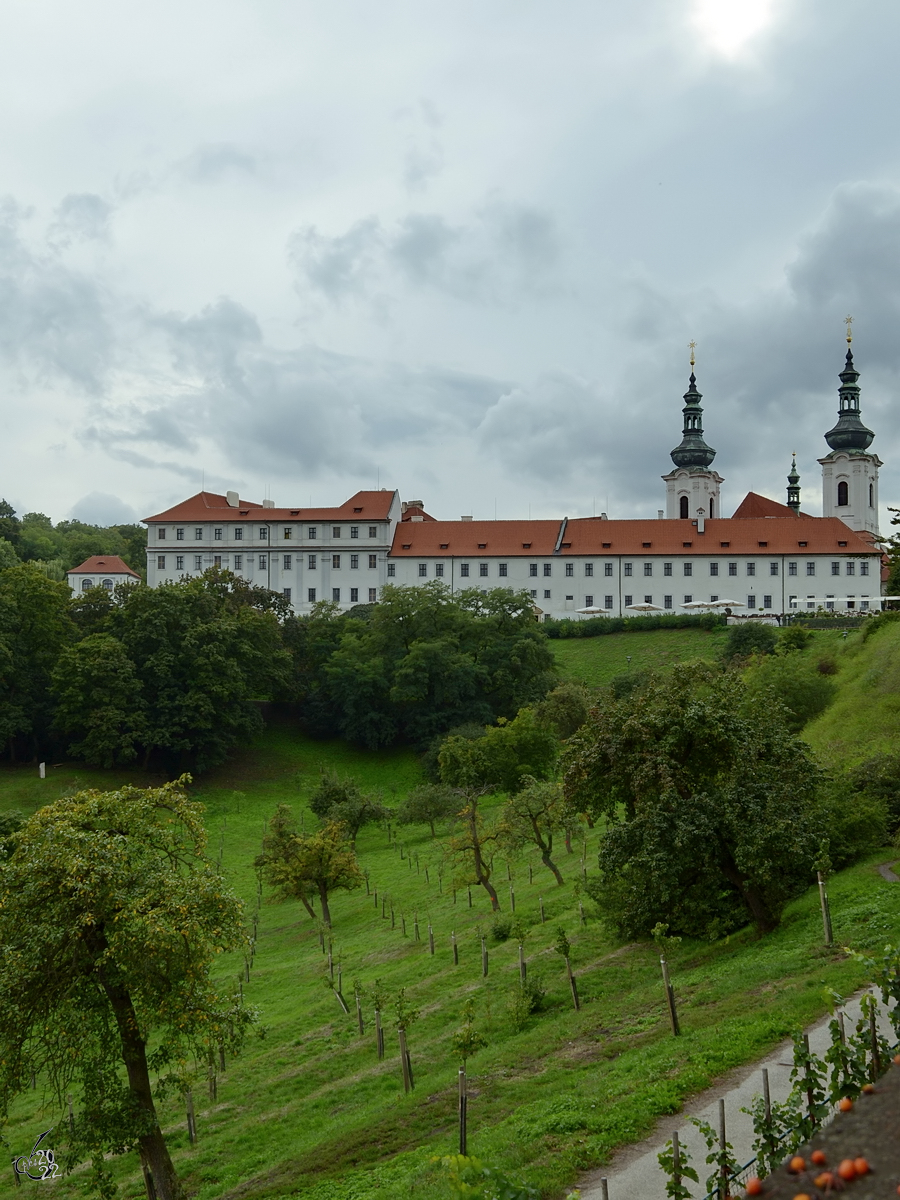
692	346
793	488
848	321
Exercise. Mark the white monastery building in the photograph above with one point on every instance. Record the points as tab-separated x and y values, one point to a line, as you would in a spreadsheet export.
103	571
767	556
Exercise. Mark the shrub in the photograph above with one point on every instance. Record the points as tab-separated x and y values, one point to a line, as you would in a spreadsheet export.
501	928
750	638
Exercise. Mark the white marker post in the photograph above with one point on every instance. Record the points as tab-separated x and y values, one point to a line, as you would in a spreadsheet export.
42	771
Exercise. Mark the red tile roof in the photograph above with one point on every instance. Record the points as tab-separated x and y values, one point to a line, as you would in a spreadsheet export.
754	505
596	536
413	510
208	506
106	564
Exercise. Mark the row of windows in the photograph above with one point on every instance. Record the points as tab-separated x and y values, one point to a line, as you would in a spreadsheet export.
465	569
335	595
87	584
287	561
287	533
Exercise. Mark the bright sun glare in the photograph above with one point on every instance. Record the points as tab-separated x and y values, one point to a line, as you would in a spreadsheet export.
727	25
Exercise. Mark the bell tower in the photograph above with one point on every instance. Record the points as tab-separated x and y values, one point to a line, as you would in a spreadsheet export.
692	489
850	471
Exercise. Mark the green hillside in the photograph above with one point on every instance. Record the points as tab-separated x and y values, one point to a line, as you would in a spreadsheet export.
598	660
864	719
309	1111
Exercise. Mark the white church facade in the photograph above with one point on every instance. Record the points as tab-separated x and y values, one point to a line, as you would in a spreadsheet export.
767	556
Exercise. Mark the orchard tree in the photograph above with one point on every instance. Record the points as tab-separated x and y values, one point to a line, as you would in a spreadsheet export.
533	816
99	702
565	709
111	917
428	803
302	866
341	800
509	753
709	800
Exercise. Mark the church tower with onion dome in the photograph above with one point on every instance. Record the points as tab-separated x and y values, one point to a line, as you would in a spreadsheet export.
850	471
692	489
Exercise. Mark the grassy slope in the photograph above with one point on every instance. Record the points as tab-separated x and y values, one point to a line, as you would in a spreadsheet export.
309	1111
865	718
596	661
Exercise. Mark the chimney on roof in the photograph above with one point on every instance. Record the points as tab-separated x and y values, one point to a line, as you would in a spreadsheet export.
604	517
411	504
660	514
465	518
234	500
268	503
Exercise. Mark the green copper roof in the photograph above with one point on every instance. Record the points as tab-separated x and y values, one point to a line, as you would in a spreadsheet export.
849	433
693	451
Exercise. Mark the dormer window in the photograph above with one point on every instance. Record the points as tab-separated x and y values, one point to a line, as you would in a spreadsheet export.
646	545
445	545
526	545
763	543
802	543
482	545
407	545
842	543
687	544
724	545
357	510
606	545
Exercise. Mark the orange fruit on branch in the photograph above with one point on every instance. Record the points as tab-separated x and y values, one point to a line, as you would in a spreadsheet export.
846	1104
818	1157
797	1164
847	1170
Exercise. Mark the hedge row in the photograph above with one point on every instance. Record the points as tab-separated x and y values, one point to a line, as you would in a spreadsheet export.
598	626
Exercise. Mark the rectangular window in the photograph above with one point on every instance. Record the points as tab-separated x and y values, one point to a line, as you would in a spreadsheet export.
179	562
354	562
239	535
217	534
179	535
851	568
373	531
751	568
238	562
287	533
311	595
198	534
648	599
336	595
792	568
751	602
532	569
217	560
483	570
570	569
773	568
310	562
627	568
548	569
263	533
628	601
732	568
373	561
712	599
198	562
767	601
439	570
835	568
391	569
312	532
810	568
667	601
688	600
262	562
336	531
464	570
589	602
607	570
863	568
160	562
423	570
589	569
161	535
354	595
534	593
502	570
607	601
286	562
373	595
546	593
714	568
648	568
354	531
336	562
688	568
667	568
286	592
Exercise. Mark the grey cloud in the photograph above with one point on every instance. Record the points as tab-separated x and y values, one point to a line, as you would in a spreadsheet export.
338	267
215	161
80	216
101	508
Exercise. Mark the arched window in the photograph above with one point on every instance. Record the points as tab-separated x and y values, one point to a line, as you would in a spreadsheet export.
86	583
683	507
843	498
871	495
107	583
711	513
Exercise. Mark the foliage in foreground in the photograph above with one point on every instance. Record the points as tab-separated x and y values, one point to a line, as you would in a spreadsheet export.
110	919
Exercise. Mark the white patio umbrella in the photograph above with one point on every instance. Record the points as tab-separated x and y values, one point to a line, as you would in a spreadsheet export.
593	611
727	604
699	604
643	608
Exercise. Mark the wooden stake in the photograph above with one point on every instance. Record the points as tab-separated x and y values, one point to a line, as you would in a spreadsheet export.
463	1104
430	939
379	1035
416	927
840	1018
604	1189
573	986
222	1058
469	889
484	958
359	1016
670	998
530	873
826	915
581	911
523	970
541	902
404	1061
427	880
723	1174
71	1114
403	924
191	1122
876	1052
767	1099
676	1162
455	949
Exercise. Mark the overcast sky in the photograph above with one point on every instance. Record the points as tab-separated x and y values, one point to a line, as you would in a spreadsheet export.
458	249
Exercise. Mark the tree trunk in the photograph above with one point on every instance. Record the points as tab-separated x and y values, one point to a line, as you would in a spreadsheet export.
431	827
323	900
568	837
152	1145
309	908
551	865
489	888
760	913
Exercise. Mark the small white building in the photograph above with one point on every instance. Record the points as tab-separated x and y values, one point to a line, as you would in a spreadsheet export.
101	570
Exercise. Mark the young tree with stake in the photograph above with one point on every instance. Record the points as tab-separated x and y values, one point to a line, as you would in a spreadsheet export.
299	866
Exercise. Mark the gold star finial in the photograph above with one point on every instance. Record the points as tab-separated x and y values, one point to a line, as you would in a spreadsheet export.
848	321
692	346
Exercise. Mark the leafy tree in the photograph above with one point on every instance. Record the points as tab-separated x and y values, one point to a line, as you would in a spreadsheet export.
34	628
304	865
471	847
565	709
99	701
10	525
341	800
111	916
8	556
533	816
426	804
91	610
878	778
509	753
795	682
709	803
795	637
750	638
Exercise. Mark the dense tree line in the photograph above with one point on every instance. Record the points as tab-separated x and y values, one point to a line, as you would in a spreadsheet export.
55	549
178	674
